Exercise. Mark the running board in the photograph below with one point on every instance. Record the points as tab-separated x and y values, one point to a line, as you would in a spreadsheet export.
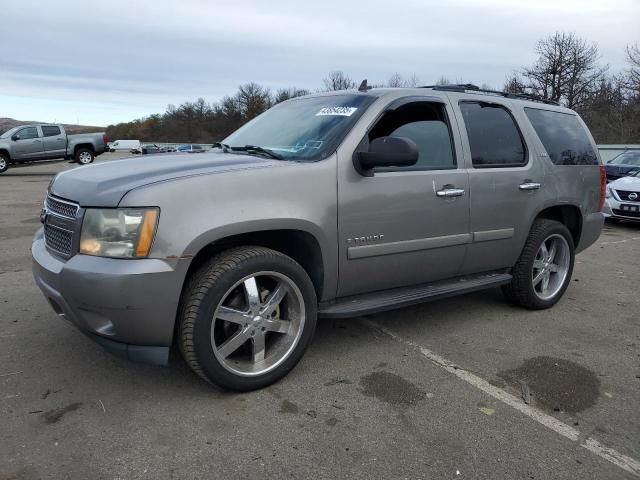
402	297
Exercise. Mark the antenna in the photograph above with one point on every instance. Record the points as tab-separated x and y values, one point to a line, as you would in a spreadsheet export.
363	86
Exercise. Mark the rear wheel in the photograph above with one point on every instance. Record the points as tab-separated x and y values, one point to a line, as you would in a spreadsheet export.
84	156
4	163
543	272
247	317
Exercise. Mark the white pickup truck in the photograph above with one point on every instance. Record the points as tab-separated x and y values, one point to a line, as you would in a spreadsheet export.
29	143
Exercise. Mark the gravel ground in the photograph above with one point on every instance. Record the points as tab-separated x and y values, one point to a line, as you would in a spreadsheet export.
432	391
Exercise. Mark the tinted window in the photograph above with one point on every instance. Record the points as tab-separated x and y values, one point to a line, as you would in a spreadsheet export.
494	138
29	132
563	137
50	131
426	124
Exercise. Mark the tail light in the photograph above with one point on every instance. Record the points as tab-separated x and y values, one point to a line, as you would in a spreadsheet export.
603	187
105	139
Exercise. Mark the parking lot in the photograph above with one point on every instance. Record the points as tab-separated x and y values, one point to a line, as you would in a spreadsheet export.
433	391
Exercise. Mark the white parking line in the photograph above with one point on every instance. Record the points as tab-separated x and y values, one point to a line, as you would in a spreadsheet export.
626	463
619	241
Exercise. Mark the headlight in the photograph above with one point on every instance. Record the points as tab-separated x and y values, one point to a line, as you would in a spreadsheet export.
118	232
609	193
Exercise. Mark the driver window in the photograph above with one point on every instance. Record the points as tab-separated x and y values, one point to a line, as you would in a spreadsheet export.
27	133
426	124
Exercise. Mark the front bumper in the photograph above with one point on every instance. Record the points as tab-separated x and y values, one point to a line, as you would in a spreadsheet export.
612	209
127	306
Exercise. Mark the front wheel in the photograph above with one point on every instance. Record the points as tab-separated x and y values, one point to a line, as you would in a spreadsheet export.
247	316
84	156
543	272
4	163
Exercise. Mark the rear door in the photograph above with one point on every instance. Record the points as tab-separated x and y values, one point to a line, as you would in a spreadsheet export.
404	225
28	144
54	141
506	181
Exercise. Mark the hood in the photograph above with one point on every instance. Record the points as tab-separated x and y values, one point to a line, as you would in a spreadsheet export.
617	169
104	184
629	184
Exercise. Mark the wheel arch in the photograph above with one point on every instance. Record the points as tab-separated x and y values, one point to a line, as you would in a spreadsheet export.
83	145
569	215
5	152
300	245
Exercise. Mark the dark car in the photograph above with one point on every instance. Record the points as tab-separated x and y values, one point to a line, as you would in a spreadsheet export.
625	164
150	148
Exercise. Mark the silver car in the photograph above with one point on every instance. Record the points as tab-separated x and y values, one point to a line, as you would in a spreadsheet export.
331	205
623	198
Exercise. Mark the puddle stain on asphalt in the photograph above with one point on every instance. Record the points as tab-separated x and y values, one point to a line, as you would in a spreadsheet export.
556	384
289	407
55	415
391	388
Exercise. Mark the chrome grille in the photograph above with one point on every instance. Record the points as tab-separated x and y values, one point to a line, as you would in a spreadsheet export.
58	239
62	208
624	195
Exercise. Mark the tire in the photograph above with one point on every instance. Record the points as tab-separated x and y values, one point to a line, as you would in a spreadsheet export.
533	269
84	156
4	163
270	334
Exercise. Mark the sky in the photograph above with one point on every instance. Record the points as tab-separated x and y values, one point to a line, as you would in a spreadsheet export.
98	63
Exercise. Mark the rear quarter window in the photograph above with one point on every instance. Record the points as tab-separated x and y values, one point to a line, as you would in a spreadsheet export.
563	136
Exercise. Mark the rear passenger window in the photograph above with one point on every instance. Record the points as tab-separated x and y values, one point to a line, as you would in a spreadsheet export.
563	136
50	131
494	137
426	124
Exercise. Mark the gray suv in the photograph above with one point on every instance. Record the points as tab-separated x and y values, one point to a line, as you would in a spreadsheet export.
331	205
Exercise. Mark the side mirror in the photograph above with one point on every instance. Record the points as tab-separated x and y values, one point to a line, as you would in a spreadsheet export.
15	137
387	152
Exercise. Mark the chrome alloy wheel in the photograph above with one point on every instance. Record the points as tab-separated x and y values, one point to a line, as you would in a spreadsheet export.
258	323
84	158
551	266
3	163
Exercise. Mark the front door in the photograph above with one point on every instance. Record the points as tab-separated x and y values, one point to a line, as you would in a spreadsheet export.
406	225
28	144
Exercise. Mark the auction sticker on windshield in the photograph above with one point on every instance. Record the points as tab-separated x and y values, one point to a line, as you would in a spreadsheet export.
340	111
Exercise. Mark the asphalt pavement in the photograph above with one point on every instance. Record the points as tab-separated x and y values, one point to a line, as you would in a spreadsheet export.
468	387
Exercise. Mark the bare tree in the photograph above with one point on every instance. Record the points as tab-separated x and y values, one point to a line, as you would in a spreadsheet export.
443	81
287	93
397	80
514	84
633	57
337	80
253	99
566	68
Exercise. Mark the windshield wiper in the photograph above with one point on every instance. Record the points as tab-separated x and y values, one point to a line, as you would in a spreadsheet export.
222	146
255	149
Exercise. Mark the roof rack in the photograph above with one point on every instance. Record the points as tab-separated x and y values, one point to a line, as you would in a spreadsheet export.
469	87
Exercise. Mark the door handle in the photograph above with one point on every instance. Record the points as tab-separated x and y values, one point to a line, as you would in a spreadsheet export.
527	185
450	191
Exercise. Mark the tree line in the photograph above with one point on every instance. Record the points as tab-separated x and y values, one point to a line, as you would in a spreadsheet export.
568	70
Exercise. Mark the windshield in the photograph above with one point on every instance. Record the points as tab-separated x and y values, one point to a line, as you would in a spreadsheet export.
303	129
627	158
